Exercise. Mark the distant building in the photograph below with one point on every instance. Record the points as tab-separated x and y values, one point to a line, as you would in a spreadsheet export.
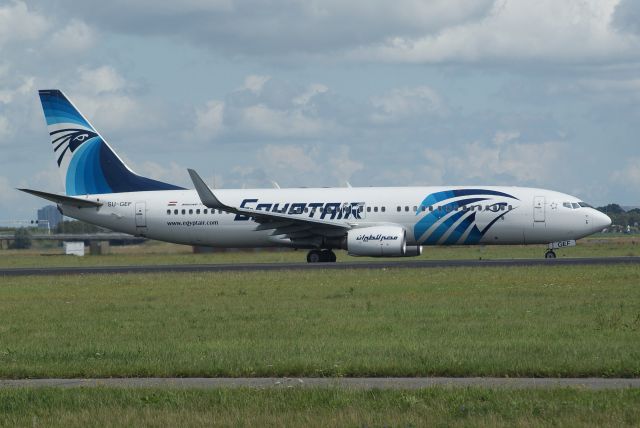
49	214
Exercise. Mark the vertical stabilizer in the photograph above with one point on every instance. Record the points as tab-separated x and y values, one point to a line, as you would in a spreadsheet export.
86	162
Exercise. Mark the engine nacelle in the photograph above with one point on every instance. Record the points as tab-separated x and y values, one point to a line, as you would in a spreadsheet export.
377	241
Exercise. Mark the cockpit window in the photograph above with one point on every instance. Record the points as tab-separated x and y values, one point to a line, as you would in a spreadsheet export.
575	206
584	205
566	205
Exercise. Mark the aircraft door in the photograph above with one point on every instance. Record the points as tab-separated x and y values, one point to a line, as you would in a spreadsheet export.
538	209
141	214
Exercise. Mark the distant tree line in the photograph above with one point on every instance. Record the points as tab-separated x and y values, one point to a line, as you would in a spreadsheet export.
620	217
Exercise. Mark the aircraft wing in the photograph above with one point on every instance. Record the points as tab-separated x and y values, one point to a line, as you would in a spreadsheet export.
63	199
292	225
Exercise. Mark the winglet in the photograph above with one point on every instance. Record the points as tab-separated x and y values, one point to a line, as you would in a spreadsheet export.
206	195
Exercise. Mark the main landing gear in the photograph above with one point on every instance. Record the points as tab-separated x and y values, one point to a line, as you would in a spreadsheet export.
550	254
321	256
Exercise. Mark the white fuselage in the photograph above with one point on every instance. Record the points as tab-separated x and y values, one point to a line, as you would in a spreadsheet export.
512	215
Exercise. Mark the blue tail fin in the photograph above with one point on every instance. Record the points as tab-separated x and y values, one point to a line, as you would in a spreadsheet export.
87	164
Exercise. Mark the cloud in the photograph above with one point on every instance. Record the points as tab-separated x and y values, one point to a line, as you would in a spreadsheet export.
8	94
288	157
19	24
264	120
341	165
617	89
7	192
255	83
72	39
263	108
5	129
209	121
503	160
100	80
561	32
296	165
405	103
254	27
109	101
172	172
627	16
629	175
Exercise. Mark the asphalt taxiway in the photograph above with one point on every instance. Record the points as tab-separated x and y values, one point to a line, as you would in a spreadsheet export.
405	264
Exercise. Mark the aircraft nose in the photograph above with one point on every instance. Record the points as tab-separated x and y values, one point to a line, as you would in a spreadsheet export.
600	220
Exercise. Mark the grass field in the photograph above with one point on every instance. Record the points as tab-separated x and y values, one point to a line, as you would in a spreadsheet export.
154	252
526	321
318	408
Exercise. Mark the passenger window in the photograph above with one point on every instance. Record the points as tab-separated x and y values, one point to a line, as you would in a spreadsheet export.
168	212
175	212
399	208
183	212
415	208
423	208
383	209
198	211
205	211
368	209
375	209
190	211
510	207
406	208
430	207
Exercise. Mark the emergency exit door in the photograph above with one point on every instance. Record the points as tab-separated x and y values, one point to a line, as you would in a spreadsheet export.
538	209
141	214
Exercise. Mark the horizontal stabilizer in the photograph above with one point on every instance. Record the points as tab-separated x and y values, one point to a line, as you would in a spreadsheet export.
62	199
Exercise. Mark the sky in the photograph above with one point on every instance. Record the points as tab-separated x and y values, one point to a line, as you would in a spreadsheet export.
318	93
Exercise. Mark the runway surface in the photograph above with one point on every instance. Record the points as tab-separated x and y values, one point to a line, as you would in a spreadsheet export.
346	383
409	264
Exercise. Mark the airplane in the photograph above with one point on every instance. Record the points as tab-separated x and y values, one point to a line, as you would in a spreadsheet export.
365	221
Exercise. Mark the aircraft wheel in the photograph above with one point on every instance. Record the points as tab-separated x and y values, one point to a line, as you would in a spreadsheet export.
330	256
314	256
550	254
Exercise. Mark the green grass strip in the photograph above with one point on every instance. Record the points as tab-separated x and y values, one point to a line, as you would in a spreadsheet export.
528	321
318	407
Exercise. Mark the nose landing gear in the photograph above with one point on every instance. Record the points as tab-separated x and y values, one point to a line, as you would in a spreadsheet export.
550	254
321	256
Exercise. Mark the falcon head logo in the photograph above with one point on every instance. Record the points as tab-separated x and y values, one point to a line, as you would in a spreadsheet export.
69	140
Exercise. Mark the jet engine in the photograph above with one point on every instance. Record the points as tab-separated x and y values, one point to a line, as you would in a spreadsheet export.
377	241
